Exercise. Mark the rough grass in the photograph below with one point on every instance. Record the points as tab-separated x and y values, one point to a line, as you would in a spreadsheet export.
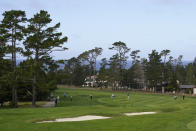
25	104
173	115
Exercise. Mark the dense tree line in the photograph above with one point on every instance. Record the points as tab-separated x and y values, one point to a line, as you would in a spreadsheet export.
35	77
159	72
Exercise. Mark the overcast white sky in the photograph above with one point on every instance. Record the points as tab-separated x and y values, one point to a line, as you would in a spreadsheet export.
141	24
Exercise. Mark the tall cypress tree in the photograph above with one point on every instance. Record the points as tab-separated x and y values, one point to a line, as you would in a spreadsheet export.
41	41
13	27
120	57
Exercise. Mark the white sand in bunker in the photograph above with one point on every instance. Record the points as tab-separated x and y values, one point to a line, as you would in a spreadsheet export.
139	113
80	118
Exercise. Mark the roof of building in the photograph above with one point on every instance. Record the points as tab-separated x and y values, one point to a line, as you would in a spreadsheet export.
187	86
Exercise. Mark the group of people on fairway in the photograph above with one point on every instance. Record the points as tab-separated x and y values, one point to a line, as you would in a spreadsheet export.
58	98
91	97
175	97
70	97
113	96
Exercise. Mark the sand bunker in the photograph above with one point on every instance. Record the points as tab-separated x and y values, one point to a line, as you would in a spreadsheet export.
80	118
91	117
139	113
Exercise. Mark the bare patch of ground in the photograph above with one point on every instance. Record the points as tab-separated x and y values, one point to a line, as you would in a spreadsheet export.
49	104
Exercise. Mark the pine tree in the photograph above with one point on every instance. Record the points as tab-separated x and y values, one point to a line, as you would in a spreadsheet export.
89	58
41	41
13	26
119	59
154	72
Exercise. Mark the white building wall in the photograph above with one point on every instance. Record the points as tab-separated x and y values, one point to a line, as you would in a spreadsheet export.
194	90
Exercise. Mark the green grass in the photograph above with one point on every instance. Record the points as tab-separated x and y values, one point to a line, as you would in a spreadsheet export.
173	115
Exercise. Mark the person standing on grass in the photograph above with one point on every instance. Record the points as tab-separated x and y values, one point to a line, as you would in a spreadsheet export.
113	96
91	97
183	97
128	95
175	97
56	101
70	98
64	94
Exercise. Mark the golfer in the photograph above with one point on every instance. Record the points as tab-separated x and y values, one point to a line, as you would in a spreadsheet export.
128	95
113	96
91	97
70	98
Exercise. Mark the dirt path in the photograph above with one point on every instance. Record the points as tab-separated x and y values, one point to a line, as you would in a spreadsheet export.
49	104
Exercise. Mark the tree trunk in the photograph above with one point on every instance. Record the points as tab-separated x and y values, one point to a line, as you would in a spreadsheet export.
14	97
35	79
34	92
14	90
